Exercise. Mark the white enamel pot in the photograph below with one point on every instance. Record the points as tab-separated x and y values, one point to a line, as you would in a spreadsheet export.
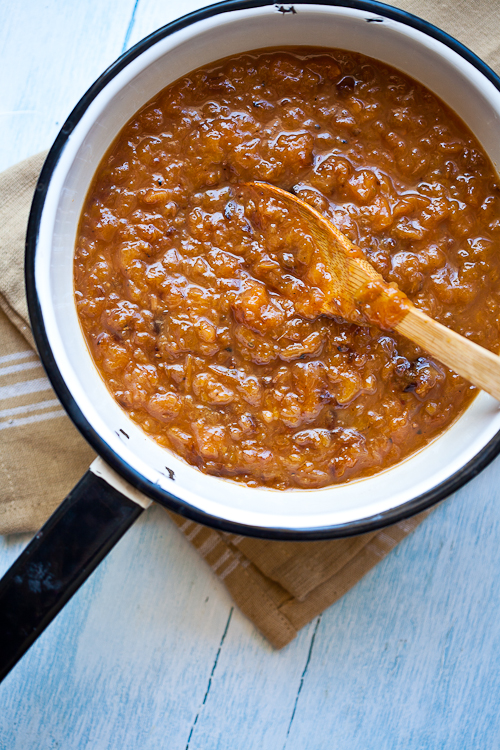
132	469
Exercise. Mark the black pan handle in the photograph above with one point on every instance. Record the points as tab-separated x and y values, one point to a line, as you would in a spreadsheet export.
63	554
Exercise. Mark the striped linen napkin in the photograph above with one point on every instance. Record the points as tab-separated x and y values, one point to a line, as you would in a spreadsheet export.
280	586
42	455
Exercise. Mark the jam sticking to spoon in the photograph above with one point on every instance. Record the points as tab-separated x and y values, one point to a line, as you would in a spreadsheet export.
341	282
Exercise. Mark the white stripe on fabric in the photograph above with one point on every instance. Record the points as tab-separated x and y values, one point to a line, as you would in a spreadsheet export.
34	418
209	544
406	525
232	566
30	407
237	539
194	533
18	355
22	389
215	567
18	368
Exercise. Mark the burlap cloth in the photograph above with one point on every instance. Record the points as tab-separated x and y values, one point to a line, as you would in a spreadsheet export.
280	586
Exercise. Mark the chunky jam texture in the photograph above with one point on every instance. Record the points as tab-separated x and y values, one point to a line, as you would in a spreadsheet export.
193	299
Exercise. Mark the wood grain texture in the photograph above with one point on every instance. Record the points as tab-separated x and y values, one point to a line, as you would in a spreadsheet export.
151	14
135	660
475	363
149	654
415	654
51	52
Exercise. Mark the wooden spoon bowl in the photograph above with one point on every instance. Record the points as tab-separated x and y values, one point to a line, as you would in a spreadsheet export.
352	289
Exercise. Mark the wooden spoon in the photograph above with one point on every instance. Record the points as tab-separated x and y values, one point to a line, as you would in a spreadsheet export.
353	290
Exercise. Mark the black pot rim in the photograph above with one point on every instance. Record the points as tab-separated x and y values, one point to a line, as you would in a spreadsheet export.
410	508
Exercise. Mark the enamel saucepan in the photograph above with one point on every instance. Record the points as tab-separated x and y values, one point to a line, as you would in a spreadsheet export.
132	470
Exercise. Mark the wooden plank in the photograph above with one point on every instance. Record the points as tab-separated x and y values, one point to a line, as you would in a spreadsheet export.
410	657
127	662
150	15
51	52
253	692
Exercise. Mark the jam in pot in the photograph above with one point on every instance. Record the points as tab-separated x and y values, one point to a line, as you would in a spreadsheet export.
193	309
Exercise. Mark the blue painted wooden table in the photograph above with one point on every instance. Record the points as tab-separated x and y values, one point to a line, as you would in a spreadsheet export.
150	652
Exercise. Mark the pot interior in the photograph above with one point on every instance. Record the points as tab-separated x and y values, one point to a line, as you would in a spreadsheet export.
424	58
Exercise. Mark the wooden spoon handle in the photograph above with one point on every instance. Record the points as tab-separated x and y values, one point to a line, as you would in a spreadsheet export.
477	365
